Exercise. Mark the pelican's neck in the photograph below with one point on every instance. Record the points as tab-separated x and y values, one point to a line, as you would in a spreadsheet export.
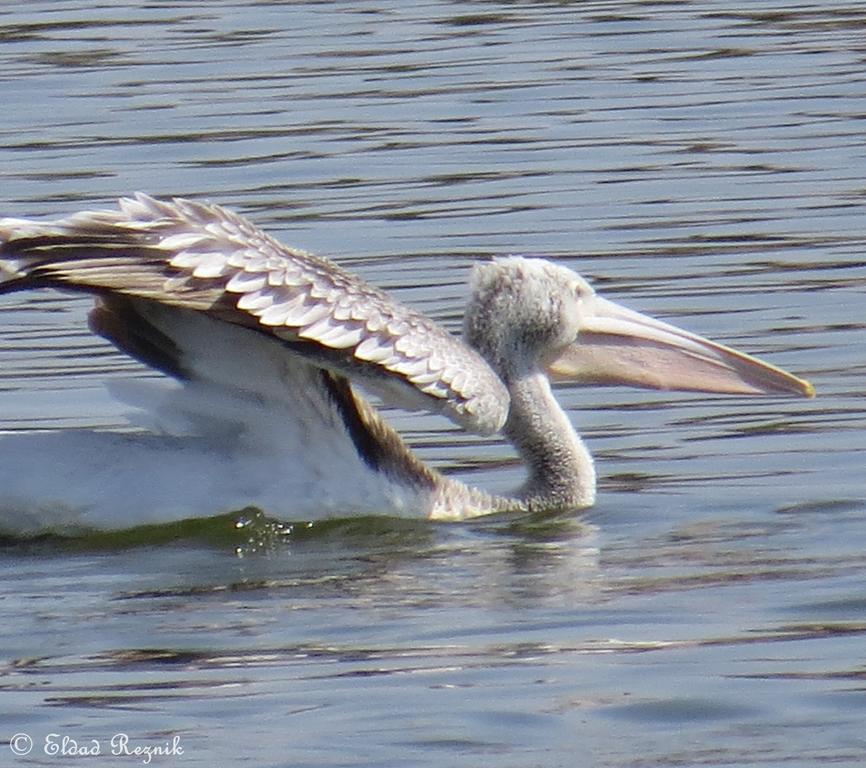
561	471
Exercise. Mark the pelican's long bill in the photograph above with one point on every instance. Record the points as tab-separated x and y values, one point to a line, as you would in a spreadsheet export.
616	345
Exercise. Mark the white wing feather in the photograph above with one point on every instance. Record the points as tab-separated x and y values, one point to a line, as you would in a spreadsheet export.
206	258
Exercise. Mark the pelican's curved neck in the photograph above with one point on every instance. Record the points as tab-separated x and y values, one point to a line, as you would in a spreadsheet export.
561	471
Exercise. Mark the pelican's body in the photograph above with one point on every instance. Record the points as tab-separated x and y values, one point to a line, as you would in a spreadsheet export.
267	344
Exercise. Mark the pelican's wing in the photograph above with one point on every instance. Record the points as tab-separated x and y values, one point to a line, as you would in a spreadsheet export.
205	258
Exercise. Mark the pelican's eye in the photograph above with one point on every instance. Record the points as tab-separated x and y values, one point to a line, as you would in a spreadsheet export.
581	294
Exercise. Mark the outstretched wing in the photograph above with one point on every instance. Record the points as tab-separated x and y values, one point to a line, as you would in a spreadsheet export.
205	258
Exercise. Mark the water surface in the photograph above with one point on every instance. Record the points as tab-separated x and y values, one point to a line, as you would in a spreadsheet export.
697	162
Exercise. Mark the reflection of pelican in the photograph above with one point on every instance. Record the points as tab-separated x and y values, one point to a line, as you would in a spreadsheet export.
269	343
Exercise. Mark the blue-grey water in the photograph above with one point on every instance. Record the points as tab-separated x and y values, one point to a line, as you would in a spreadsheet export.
701	163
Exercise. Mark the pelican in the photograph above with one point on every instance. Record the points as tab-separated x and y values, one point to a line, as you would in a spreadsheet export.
274	353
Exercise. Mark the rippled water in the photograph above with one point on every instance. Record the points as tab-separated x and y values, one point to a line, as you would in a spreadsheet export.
697	162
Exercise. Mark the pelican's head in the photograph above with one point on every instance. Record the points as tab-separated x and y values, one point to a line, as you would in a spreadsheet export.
523	311
529	313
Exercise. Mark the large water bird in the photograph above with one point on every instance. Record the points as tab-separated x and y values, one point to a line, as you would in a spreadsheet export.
273	349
